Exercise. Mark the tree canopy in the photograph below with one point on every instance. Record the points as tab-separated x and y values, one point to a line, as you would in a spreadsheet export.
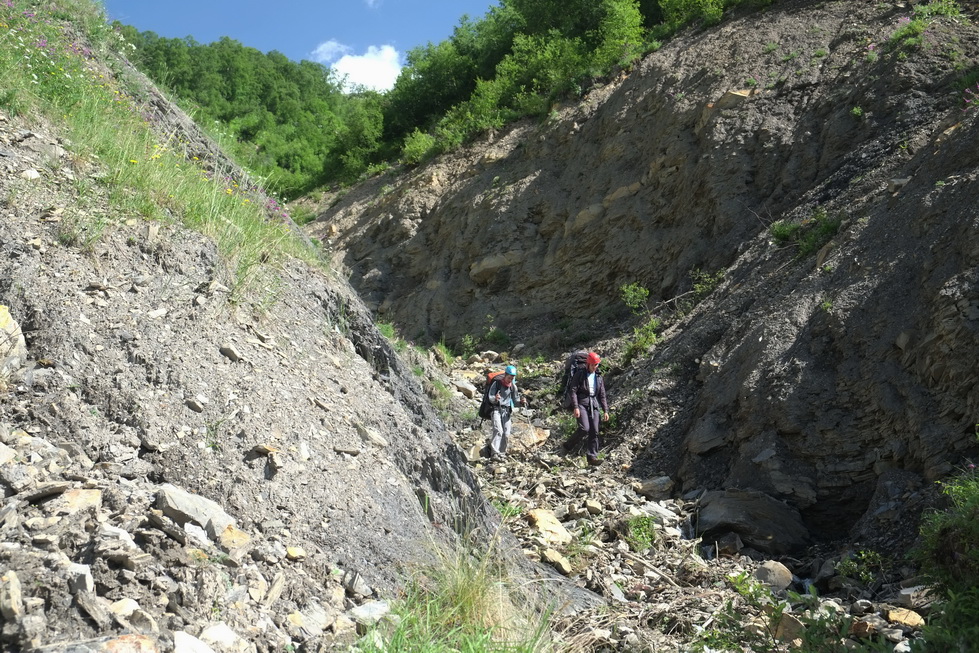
294	123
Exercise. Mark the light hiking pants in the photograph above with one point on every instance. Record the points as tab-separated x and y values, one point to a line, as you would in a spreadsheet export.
501	431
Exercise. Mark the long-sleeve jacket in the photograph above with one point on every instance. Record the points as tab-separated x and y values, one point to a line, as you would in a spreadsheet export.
509	397
579	390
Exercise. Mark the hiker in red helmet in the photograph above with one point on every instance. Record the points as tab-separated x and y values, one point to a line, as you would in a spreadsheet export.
587	399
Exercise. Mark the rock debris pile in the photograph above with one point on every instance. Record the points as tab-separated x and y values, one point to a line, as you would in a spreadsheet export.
667	565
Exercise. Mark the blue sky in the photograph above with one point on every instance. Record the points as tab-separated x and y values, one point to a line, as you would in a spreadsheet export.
366	40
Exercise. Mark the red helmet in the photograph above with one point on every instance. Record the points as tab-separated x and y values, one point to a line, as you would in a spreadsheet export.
593	358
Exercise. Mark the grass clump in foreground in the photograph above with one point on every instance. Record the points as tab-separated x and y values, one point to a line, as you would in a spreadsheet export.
52	61
464	603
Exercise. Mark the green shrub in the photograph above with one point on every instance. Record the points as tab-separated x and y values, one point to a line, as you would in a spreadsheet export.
442	397
468	345
443	350
949	555
952	624
704	283
621	35
635	297
418	146
644	336
810	235
908	33
818	231
678	13
784	232
864	566
566	425
506	509
948	8
388	331
540	68
641	533
497	337
950	549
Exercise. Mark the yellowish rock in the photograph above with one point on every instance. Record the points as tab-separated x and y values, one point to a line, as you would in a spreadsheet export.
77	500
905	617
549	526
233	538
557	561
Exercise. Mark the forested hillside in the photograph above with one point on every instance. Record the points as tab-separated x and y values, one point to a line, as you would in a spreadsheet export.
290	122
293	123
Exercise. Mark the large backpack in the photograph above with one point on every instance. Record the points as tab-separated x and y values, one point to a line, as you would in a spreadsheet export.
576	361
485	407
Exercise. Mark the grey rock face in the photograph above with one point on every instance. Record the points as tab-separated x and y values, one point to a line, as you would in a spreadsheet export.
847	361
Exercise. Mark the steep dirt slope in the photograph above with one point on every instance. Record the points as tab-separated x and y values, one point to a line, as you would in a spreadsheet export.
181	462
837	381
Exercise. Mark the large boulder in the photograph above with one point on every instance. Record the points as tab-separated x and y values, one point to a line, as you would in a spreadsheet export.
762	522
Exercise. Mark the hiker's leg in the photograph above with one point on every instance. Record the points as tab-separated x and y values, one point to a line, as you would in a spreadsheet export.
497	438
584	426
505	438
581	431
594	443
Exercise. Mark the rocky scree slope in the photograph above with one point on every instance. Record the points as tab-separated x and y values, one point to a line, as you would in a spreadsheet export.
840	382
634	540
177	466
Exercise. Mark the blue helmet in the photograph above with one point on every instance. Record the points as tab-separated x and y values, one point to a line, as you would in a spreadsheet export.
511	370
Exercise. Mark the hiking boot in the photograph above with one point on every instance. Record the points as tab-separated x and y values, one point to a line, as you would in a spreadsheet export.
593	461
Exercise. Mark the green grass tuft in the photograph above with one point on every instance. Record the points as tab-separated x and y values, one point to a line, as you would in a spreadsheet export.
49	70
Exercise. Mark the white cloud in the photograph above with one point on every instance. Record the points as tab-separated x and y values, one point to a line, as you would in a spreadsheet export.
372	3
377	69
328	52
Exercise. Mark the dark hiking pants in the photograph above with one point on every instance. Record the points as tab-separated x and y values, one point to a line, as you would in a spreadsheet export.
589	419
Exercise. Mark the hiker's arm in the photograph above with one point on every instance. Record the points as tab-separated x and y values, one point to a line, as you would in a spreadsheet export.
573	392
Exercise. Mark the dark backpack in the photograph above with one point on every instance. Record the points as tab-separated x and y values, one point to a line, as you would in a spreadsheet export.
485	407
576	361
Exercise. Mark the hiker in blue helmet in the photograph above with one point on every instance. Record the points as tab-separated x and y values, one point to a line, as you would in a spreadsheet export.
503	394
